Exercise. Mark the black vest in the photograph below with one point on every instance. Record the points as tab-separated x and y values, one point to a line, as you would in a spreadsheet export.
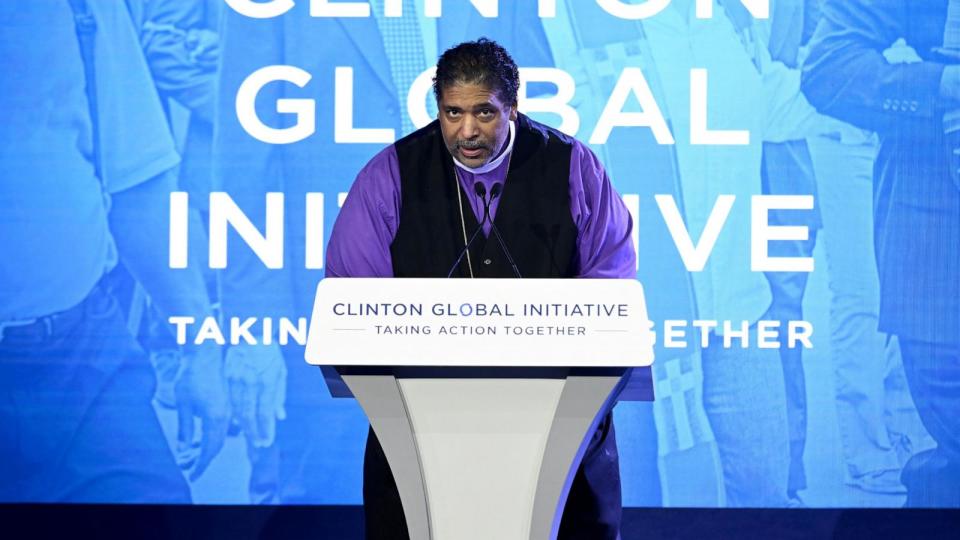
533	215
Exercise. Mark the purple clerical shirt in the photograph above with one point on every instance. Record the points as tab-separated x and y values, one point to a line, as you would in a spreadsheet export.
360	242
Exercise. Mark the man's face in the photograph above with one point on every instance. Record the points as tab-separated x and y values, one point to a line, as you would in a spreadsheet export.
475	123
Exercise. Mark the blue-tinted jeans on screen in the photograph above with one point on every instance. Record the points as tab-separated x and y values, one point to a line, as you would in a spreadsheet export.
77	423
788	290
933	371
874	407
744	398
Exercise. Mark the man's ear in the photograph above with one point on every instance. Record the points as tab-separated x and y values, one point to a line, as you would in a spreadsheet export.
513	113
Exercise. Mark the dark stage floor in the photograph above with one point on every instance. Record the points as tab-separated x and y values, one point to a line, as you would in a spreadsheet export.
346	523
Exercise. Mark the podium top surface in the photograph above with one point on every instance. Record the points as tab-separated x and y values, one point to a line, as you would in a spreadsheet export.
480	322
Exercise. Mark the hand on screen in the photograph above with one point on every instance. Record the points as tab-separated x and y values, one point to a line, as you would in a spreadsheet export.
901	53
257	379
202	392
204	47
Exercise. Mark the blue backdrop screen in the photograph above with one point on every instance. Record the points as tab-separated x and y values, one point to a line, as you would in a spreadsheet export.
172	171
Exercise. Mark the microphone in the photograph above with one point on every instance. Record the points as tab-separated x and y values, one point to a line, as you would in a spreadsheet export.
495	191
481	192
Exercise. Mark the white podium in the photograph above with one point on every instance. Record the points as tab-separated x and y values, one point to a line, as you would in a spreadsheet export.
482	392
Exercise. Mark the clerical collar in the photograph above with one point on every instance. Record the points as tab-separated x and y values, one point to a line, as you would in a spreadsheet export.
495	163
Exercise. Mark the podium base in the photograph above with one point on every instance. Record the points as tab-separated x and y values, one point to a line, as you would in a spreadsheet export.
484	457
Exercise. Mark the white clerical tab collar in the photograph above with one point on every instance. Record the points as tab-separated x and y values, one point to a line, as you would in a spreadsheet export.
495	163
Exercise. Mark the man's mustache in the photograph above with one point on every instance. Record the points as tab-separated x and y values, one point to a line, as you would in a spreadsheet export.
473	145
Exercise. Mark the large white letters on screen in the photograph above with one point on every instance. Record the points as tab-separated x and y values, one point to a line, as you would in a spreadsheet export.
417	98
558	104
547	9
633	82
393	8
695	257
699	132
486	8
631	85
178	230
304	109
314	231
260	10
343	130
268	246
760	9
325	8
763	233
623	10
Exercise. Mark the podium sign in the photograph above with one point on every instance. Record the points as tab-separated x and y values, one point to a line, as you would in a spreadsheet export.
480	322
476	390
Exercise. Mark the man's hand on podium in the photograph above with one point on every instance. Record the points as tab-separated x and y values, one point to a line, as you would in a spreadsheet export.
257	382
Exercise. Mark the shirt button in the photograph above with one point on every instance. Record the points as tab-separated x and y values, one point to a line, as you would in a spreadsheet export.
487	262
886	104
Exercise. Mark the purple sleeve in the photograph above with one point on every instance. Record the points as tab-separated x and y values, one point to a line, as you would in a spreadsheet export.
604	243
360	241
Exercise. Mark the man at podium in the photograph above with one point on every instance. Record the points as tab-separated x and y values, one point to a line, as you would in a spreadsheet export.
484	191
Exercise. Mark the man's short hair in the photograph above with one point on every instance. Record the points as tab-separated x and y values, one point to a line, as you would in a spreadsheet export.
482	62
